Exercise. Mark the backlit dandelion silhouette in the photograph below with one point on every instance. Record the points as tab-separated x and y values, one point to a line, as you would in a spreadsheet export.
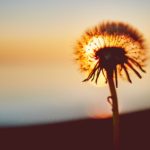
111	49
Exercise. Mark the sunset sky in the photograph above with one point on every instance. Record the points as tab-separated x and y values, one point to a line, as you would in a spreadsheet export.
39	80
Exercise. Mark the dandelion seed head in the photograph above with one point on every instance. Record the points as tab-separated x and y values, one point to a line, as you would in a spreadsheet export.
114	46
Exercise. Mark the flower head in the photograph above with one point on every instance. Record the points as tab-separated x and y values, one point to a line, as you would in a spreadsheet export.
112	47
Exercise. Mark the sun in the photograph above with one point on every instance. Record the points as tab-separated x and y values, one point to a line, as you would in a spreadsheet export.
93	45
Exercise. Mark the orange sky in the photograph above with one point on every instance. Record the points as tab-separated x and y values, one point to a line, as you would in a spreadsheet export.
32	50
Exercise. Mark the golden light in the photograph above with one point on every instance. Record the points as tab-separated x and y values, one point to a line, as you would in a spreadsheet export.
93	45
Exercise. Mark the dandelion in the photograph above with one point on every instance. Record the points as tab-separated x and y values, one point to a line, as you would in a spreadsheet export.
111	49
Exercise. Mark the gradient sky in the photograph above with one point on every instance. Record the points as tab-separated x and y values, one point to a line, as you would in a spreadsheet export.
39	80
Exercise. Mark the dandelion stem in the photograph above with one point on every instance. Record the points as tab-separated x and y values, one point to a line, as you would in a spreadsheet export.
115	111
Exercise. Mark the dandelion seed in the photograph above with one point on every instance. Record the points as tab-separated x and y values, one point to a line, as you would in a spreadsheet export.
108	47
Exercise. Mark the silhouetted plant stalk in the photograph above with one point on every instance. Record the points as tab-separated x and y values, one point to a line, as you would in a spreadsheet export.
111	49
115	112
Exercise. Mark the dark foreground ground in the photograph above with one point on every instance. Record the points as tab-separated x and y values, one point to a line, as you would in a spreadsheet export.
85	134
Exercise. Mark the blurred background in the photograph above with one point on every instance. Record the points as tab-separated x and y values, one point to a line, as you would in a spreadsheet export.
85	134
43	102
39	79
